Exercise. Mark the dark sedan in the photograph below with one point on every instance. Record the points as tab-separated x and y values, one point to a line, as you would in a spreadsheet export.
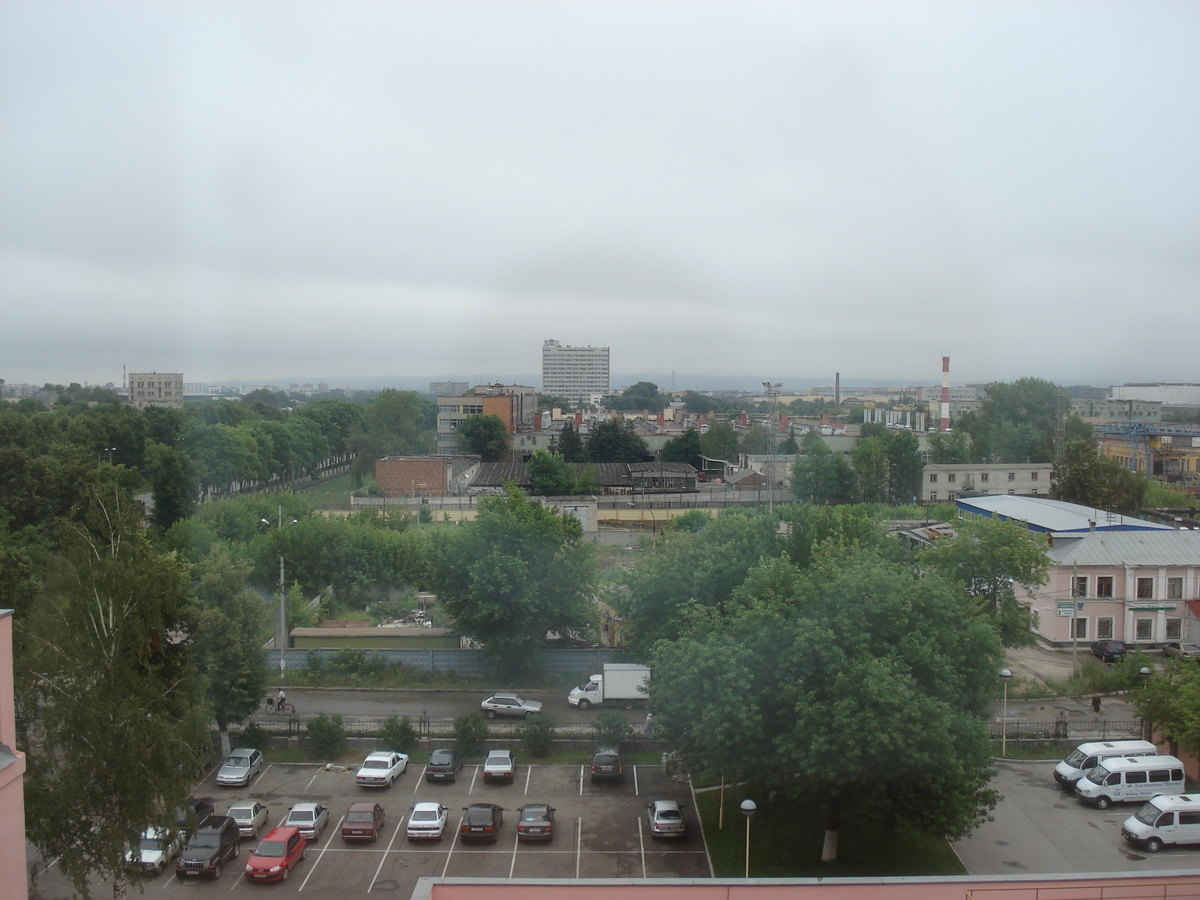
535	822
1109	651
481	822
443	765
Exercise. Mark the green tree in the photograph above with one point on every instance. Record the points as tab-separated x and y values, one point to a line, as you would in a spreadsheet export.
615	441
822	476
569	444
903	466
611	728
1084	476
950	448
549	475
537	733
815	689
518	570
642	396
395	423
109	688
231	625
398	734
720	442
683	449
789	447
1170	704
470	733
869	459
987	557
174	484
326	736
484	436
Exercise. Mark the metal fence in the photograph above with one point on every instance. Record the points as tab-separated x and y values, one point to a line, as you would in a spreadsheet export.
451	661
1064	730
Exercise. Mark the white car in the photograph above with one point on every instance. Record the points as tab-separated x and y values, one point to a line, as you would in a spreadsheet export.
381	768
250	817
155	850
427	822
309	819
239	767
499	766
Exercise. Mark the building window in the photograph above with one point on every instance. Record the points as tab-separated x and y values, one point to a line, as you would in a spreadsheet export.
933	495
1143	629
1033	492
1174	588
933	478
1174	629
1079	586
1033	476
1012	476
984	477
953	478
1081	628
1104	628
1104	585
1145	588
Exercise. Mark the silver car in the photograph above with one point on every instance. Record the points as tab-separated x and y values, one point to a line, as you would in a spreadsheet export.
509	705
666	819
239	767
309	819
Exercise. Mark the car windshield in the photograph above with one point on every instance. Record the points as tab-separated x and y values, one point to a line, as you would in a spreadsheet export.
377	764
669	814
237	761
204	842
425	815
439	758
364	816
1074	758
606	760
1148	814
533	815
301	815
271	848
479	815
241	812
1097	775
151	844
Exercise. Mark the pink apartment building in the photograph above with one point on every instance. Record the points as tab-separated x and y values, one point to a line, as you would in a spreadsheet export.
12	771
1141	587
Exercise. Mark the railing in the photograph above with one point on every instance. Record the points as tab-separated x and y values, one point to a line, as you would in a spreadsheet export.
1063	729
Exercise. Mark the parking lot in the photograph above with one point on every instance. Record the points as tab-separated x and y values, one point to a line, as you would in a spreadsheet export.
601	832
1040	829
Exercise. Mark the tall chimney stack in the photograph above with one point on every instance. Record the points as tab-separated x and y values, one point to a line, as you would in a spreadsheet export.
837	388
945	425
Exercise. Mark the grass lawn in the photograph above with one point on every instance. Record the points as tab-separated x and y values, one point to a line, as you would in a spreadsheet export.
335	492
785	842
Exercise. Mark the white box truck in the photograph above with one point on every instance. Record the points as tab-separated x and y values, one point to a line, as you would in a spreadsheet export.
620	684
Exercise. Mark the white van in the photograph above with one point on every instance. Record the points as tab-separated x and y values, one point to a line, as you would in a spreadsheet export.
1089	755
1164	820
1123	779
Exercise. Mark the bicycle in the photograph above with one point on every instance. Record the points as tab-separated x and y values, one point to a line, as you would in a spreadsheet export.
285	707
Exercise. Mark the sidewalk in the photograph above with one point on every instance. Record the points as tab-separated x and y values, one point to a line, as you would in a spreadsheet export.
1040	664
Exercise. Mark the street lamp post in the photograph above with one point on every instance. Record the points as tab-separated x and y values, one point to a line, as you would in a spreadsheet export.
281	618
1005	674
749	808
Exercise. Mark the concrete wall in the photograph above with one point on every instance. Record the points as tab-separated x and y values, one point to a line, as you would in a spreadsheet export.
462	662
413	476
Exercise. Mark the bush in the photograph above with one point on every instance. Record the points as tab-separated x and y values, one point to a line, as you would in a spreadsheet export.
326	736
611	727
470	732
254	735
538	733
398	734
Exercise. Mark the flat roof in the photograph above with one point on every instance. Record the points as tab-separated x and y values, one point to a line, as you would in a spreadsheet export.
1044	514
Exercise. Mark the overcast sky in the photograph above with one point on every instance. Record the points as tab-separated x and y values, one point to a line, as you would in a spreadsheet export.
341	190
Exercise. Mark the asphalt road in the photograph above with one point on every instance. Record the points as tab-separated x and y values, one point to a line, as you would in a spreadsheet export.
437	705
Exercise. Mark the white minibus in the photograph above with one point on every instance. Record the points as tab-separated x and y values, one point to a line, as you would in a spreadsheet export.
1090	754
1123	779
1164	820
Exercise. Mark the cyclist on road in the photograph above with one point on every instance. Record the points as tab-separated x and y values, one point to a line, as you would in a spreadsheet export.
281	699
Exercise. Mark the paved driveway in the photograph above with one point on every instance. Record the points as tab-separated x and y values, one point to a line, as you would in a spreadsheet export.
1038	829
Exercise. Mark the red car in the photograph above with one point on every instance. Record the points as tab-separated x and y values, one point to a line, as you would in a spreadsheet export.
363	822
277	854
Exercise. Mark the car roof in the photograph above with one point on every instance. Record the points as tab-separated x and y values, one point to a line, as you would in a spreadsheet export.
535	807
665	804
499	753
281	833
483	806
425	804
306	806
241	751
384	754
363	806
506	695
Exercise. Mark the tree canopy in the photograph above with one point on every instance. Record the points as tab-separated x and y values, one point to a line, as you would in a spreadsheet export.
615	441
821	476
485	436
720	441
642	396
683	449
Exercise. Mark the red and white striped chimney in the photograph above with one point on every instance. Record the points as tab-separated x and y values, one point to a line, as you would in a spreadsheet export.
945	427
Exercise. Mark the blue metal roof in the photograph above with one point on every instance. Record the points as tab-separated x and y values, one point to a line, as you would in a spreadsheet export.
1044	514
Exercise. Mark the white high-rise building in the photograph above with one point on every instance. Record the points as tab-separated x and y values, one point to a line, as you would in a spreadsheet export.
577	373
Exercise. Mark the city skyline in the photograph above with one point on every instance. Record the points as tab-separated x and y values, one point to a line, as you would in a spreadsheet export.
419	190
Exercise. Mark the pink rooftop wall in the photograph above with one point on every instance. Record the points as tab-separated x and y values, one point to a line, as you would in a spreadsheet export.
12	794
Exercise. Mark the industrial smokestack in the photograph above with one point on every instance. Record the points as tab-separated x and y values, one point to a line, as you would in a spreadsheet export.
945	411
837	388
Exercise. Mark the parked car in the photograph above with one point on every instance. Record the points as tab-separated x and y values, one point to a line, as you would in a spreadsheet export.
192	815
250	816
509	705
239	767
1182	651
427	822
363	822
535	822
1109	651
607	765
443	765
155	850
309	818
381	768
666	819
481	822
276	855
500	765
215	843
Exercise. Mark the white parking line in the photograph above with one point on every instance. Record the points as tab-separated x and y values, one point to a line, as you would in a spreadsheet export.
453	841
578	840
421	780
635	782
642	846
528	775
308	786
474	777
336	830
513	865
386	850
581	768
